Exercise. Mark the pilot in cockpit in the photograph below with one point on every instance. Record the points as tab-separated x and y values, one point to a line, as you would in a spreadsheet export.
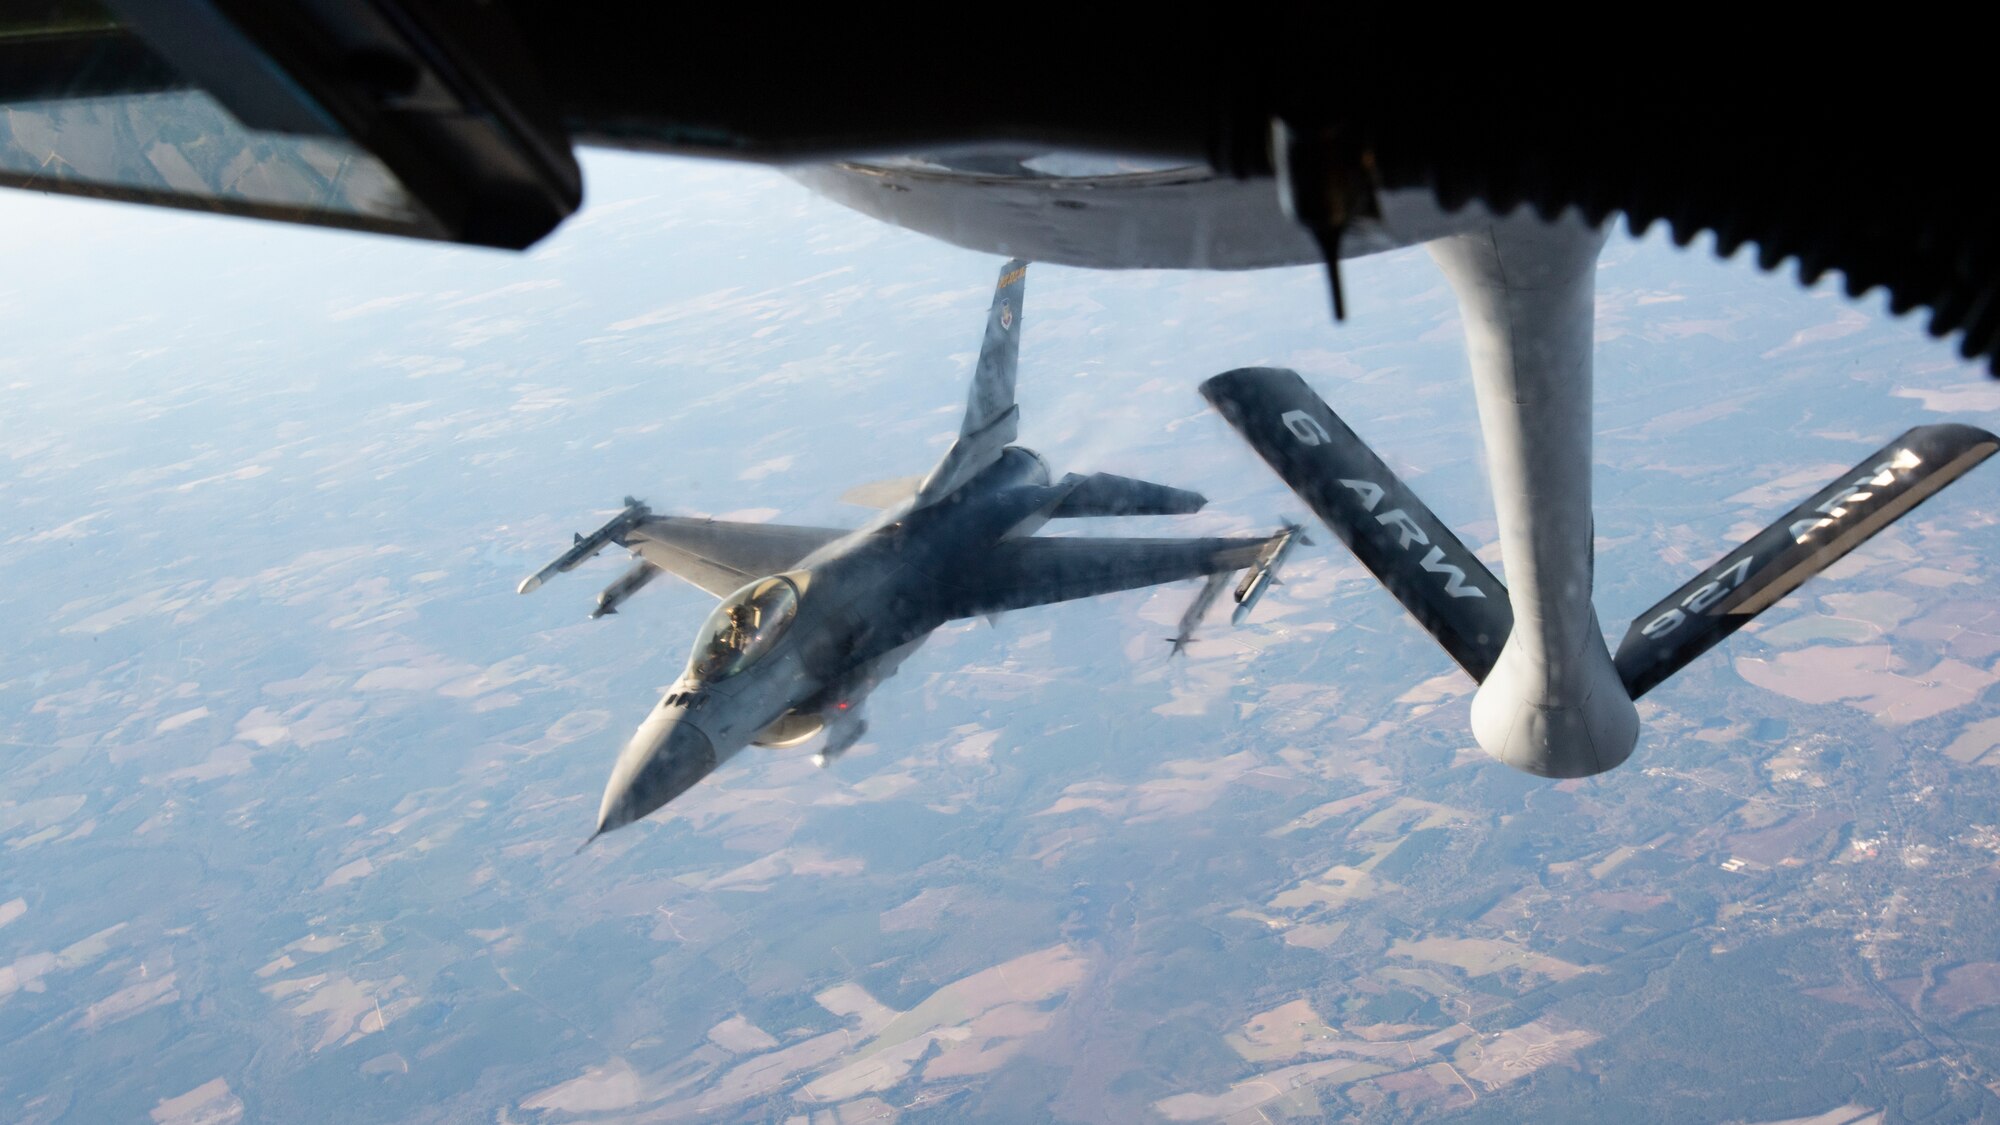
744	618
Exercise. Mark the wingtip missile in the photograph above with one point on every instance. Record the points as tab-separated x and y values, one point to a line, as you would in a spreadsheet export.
584	547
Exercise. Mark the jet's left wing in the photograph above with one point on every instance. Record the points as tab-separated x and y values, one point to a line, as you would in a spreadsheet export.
721	557
1018	573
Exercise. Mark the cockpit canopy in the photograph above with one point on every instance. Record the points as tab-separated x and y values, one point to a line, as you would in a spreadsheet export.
743	628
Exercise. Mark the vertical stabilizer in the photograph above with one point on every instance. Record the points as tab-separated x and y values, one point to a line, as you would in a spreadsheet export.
991	402
991	418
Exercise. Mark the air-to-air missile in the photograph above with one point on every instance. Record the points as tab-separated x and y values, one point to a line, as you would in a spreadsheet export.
1263	574
1211	589
628	583
586	546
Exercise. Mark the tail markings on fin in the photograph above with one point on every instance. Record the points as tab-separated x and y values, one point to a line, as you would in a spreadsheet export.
992	394
992	420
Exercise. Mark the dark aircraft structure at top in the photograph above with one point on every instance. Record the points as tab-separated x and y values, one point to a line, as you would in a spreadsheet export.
813	618
455	120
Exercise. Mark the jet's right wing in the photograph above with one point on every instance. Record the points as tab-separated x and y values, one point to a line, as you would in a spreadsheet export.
1018	573
720	556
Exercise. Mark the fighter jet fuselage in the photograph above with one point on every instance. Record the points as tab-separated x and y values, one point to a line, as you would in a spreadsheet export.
794	654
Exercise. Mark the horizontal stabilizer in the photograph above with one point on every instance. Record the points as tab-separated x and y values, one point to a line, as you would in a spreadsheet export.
1018	573
1103	494
1810	538
1416	557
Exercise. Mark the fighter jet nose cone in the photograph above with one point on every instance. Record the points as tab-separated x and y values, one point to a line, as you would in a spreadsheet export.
663	760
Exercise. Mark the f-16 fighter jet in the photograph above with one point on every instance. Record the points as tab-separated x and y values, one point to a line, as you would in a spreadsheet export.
813	618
